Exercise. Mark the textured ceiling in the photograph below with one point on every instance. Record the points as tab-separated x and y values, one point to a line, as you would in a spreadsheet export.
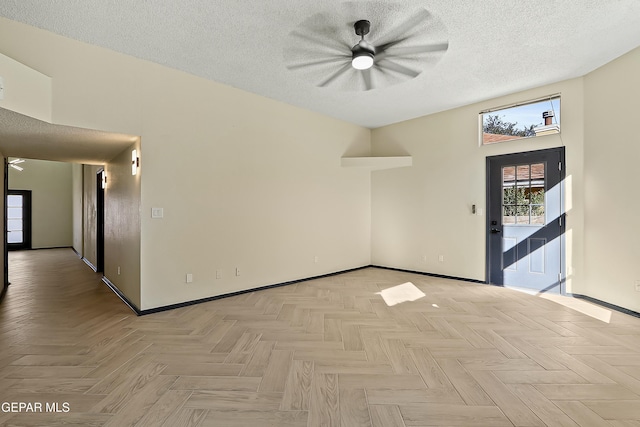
495	47
22	136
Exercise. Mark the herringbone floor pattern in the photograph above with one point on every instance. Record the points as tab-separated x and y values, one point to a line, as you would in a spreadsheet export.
371	347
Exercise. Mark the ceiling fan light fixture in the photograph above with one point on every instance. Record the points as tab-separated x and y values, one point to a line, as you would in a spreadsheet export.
362	61
362	56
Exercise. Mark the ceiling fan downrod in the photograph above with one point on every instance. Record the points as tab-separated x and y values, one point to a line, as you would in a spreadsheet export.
362	27
362	54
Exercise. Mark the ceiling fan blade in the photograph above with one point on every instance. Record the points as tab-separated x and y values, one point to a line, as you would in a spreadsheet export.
319	62
333	45
396	34
383	47
366	77
335	75
389	65
414	50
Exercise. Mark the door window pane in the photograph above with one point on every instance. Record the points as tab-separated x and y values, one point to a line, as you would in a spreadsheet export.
14	213
14	236
523	173
14	224
14	201
508	174
523	194
509	215
508	196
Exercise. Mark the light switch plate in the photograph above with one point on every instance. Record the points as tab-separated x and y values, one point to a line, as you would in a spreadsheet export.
157	212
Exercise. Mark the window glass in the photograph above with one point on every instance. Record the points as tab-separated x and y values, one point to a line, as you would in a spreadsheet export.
14	200
14	236
526	120
523	194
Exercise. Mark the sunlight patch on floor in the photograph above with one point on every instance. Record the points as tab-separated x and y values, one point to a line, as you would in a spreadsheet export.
401	293
584	307
579	305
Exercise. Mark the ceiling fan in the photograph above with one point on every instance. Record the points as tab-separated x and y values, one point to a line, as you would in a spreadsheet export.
14	164
401	53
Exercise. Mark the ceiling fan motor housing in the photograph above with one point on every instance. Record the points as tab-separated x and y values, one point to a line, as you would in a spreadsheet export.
362	27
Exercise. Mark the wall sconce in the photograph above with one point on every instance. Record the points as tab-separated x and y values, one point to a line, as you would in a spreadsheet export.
135	162
104	180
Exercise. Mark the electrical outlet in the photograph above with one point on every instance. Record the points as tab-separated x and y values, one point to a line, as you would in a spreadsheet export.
316	259
118	270
189	278
237	271
424	258
441	258
218	274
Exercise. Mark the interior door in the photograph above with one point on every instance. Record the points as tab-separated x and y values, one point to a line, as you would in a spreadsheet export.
525	225
18	219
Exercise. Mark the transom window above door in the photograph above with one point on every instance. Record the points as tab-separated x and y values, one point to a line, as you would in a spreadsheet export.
520	121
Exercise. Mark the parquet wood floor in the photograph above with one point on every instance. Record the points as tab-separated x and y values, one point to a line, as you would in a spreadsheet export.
371	347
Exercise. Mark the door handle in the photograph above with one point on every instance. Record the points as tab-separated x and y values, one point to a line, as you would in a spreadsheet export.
494	230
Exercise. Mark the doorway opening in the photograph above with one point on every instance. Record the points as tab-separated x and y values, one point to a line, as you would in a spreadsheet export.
525	221
28	138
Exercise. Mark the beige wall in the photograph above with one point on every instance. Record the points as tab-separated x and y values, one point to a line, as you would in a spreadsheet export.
424	211
77	206
612	156
26	91
51	201
245	182
122	226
